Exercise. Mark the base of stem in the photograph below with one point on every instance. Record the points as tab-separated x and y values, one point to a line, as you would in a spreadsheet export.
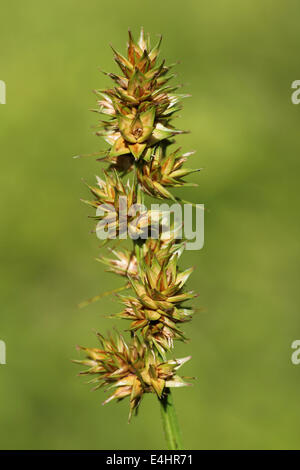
170	423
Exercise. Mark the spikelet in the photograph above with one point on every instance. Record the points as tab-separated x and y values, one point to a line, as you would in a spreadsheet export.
141	105
123	262
130	370
107	197
157	308
160	171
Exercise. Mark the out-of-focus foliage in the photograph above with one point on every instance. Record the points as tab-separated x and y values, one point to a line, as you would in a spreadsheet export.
238	60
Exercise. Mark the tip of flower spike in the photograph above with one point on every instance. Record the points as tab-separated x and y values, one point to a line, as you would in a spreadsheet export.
185	132
188	154
142	39
76	361
107	400
94	154
179	362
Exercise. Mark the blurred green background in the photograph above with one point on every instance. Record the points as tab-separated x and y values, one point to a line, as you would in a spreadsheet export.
238	60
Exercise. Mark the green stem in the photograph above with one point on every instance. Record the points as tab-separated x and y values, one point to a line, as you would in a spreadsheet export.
170	423
168	414
138	243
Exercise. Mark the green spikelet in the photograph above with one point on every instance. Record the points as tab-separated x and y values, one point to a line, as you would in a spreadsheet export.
140	105
129	370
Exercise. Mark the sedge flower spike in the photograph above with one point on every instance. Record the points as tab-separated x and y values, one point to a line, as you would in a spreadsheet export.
137	126
130	370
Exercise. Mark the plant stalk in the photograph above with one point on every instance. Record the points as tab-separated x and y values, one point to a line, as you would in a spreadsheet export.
168	414
170	423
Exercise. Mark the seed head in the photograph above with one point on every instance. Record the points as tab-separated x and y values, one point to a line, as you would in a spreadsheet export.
140	105
138	110
160	171
157	309
130	370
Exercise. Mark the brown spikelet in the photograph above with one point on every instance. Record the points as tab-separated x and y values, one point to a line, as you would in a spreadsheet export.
129	370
